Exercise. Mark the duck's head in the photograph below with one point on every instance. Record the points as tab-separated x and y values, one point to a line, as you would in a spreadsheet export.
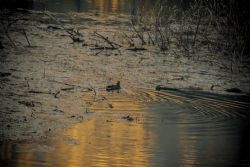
158	87
118	83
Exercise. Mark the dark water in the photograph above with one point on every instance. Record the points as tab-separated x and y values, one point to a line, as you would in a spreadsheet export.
168	129
99	7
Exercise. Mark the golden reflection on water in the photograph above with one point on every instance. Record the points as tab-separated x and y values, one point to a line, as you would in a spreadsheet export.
106	145
100	7
106	6
105	139
115	5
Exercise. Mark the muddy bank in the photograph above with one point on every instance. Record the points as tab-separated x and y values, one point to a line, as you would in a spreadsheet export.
49	61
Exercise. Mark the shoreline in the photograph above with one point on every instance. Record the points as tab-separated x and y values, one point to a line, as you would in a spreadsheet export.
44	79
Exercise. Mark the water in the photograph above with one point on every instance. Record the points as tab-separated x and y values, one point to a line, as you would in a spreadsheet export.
99	7
168	129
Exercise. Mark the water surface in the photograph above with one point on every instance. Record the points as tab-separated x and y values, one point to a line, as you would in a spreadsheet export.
99	7
167	129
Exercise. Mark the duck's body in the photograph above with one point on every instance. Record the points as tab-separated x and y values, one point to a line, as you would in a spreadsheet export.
113	87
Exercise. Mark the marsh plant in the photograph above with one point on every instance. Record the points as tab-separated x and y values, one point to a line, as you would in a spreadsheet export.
197	27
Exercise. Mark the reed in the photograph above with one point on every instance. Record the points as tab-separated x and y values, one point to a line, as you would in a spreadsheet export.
218	27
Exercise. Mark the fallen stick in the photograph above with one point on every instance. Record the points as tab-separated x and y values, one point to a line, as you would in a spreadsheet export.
39	92
130	40
26	37
56	94
107	40
73	34
103	48
99	52
136	49
138	34
8	36
65	89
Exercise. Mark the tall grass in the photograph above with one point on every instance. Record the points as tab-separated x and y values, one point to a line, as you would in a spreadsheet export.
215	26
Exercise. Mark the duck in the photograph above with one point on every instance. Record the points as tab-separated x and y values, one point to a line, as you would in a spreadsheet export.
113	87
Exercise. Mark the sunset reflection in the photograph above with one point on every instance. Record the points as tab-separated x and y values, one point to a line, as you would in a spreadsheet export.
108	139
106	6
104	139
99	7
161	132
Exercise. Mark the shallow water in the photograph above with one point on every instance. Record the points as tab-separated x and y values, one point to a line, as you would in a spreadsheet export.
168	129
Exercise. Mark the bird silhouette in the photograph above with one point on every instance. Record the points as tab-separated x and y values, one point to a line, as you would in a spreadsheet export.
110	88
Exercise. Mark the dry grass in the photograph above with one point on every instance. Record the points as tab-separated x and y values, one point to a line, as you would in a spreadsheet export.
205	26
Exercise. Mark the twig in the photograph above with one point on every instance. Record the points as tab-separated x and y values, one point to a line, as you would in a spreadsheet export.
56	94
103	48
136	49
197	29
93	89
26	37
99	52
73	34
8	36
138	34
150	38
53	18
130	40
107	40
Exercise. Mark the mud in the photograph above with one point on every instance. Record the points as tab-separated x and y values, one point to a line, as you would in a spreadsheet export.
45	74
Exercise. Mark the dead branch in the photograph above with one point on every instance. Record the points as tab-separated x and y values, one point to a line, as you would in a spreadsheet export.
103	48
73	34
93	89
8	36
111	43
150	38
39	92
140	36
56	94
130	40
65	89
135	49
53	18
99	52
26	37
